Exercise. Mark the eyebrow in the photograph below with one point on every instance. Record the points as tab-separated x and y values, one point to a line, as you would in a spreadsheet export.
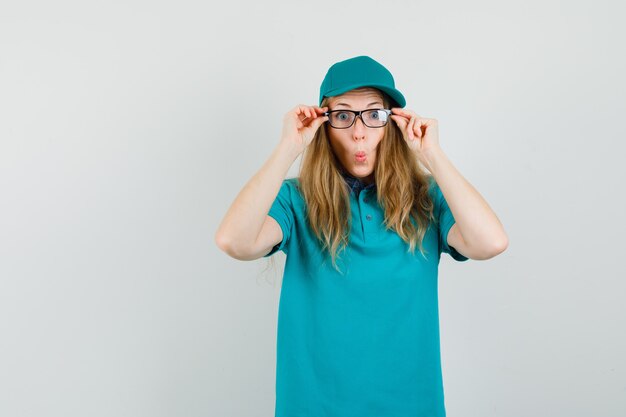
347	105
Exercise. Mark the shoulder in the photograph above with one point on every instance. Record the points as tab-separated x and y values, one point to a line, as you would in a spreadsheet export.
293	183
290	191
291	186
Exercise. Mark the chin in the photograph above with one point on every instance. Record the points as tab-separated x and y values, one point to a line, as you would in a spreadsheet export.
361	172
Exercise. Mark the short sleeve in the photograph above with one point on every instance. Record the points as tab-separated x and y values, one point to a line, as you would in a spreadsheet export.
445	222
282	211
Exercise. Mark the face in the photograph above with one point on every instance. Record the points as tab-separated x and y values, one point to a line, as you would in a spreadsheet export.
356	146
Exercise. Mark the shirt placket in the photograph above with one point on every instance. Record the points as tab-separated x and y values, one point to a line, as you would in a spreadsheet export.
366	212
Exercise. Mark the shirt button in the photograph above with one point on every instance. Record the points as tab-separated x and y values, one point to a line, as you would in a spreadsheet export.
368	217
365	200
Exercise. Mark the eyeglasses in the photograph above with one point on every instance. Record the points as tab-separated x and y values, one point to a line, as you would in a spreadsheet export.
343	119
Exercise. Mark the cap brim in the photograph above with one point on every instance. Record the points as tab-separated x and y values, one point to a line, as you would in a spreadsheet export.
392	92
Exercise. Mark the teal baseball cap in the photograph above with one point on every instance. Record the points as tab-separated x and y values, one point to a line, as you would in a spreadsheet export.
360	71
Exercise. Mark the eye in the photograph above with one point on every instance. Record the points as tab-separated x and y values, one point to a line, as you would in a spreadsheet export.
343	115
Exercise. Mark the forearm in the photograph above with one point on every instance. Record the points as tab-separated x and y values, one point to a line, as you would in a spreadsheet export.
477	223
245	217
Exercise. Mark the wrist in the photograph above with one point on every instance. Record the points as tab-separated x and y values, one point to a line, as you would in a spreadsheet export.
432	154
432	157
289	148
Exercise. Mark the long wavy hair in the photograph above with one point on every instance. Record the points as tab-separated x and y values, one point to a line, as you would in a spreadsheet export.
401	189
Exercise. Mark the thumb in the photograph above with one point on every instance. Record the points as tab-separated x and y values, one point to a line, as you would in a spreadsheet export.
319	120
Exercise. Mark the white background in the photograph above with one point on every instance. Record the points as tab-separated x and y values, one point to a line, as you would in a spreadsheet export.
128	128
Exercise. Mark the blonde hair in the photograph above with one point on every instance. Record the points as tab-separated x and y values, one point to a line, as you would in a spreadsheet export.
401	188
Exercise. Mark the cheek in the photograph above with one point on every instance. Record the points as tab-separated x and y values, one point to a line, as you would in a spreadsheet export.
380	139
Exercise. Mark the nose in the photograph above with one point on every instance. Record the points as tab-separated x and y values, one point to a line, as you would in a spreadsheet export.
358	129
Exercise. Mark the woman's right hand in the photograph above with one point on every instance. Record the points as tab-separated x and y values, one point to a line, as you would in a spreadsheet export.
301	123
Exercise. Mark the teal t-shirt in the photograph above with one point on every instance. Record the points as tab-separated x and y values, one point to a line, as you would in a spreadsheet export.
365	343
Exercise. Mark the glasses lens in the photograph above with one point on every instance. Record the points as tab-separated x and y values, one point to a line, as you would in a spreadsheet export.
375	118
372	118
341	119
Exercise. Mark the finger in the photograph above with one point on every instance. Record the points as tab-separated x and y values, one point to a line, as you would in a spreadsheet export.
420	131
302	109
403	123
408	113
417	131
402	111
320	120
300	113
410	128
400	121
425	125
399	118
313	116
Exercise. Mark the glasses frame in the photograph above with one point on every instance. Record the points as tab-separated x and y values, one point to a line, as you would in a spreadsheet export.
357	113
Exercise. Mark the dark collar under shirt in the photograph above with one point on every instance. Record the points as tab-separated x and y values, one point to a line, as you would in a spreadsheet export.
355	184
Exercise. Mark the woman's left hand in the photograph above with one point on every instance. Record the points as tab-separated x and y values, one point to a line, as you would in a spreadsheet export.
421	134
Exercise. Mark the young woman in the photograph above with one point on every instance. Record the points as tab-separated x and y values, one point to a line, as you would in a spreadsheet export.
358	324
